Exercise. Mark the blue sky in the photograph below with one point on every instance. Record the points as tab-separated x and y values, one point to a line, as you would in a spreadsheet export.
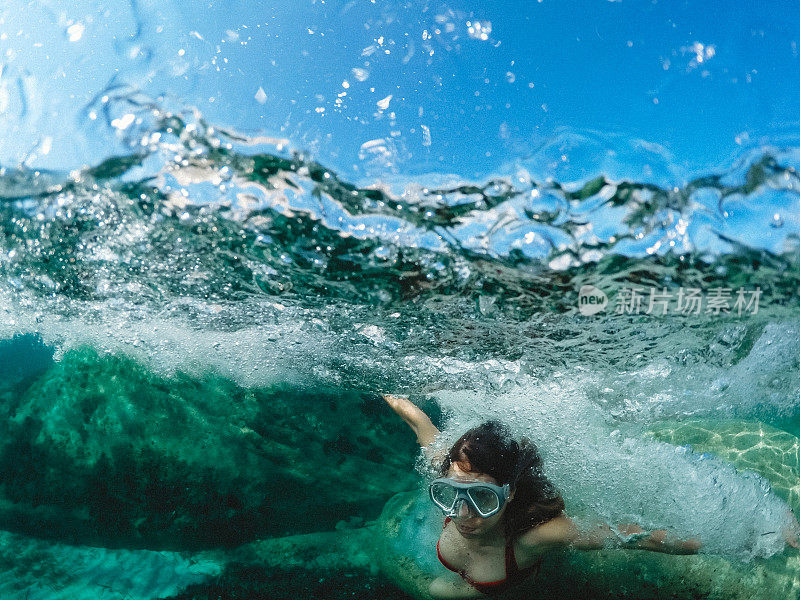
394	89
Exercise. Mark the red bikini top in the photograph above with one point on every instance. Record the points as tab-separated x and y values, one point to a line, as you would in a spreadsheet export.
514	575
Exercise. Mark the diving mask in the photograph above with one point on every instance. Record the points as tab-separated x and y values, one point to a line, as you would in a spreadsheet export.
485	499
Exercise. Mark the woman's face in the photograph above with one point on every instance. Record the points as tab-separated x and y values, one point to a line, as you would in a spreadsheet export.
468	523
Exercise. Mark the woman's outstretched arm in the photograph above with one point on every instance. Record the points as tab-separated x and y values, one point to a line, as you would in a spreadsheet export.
419	422
562	532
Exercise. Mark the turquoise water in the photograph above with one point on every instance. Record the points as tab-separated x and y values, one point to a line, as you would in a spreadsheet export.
195	339
224	233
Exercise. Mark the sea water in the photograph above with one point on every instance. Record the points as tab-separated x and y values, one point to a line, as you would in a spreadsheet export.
197	322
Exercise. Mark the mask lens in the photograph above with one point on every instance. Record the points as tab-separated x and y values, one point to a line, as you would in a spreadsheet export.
444	495
485	500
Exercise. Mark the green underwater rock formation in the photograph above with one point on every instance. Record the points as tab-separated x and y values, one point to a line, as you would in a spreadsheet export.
100	450
32	568
330	565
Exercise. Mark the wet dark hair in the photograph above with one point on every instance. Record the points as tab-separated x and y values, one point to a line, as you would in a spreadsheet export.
490	449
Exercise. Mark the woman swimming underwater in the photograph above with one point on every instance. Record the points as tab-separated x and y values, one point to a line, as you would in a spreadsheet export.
502	515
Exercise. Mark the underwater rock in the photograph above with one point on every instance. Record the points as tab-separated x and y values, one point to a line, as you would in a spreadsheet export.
32	569
255	583
100	450
328	565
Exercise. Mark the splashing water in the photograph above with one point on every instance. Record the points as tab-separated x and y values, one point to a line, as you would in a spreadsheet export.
196	322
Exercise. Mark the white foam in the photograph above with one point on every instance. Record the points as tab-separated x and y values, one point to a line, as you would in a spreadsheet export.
269	351
764	384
